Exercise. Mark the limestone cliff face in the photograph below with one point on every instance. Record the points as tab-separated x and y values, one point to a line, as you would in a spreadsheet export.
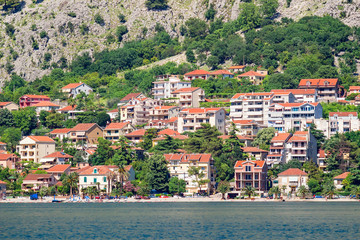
62	21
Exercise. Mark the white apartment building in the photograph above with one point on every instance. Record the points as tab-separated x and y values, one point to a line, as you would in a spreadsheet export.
34	148
189	97
164	112
246	127
190	119
290	116
254	106
302	146
292	179
301	95
163	89
278	151
114	131
179	165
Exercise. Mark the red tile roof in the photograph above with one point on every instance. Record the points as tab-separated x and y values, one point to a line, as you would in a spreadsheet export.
221	72
59	168
237	67
295	91
164	107
130	96
281	137
140	132
257	163
342	176
251	73
36	176
237	95
2	143
296	104
46	104
36	96
6	156
173	119
83	127
253	149
186	90
297	139
293	172
197	73
184	158
58	155
200	110
353	88
2	182
343	114
318	82
67	108
60	130
115	126
101	170
2	104
169	132
245	122
41	139
238	136
114	111
322	153
72	85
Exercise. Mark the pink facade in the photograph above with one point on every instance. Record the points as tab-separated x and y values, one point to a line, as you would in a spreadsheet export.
31	100
250	173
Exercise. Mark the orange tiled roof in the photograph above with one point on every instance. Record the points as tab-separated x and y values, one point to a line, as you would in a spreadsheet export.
297	139
2	182
41	139
59	168
140	132
36	176
251	73
295	91
101	170
252	94
281	137
130	96
2	104
318	82
173	119
257	163
322	153
293	172
67	108
245	122
2	143
184	158
58	155
164	107
36	96
83	127
116	126
60	130
237	67
253	149
186	90
169	132
72	85
342	176
296	104
113	111
5	156
197	73
238	136
46	104
343	114
221	72
353	88
199	110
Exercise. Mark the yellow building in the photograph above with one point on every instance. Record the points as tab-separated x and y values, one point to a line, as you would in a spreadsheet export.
33	148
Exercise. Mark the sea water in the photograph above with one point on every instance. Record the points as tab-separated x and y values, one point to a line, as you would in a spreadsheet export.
204	220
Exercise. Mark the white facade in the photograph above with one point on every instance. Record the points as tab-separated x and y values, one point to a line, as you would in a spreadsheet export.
163	89
75	89
34	148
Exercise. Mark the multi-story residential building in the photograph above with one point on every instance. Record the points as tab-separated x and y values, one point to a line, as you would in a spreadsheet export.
37	181
251	106
283	97
301	95
10	161
243	139
354	89
137	110
189	97
164	112
55	158
327	89
255	153
321	159
179	165
9	106
31	100
70	111
136	136
222	73
246	127
288	116
237	69
250	173
190	119
59	170
60	133
114	131
163	89
114	114
292	179
34	148
45	106
278	151
130	96
302	146
197	74
255	77
85	134
73	89
161	124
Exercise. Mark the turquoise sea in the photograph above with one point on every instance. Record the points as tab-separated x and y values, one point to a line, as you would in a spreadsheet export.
220	220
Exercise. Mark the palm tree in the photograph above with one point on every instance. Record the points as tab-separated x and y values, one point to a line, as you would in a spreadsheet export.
123	174
303	191
356	191
329	190
110	177
71	181
249	190
275	191
283	188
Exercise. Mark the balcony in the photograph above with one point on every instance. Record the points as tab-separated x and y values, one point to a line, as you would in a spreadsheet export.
293	183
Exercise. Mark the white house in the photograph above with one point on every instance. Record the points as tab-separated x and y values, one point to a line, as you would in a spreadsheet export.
292	179
74	89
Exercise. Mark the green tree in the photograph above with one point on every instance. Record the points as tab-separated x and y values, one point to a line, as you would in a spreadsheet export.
249	16
99	19
120	32
177	186
302	191
210	13
102	119
314	186
169	145
10	5
355	191
275	191
156	173
190	57
199	176
249	190
25	119
263	138
103	154
223	188
268	7
11	136
196	28
55	120
156	4
71	181
329	189
42	117
150	134
318	134
6	118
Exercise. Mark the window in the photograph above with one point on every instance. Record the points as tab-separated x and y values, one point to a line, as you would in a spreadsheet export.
104	179
95	180
85	179
95	170
248	177
256	184
247	168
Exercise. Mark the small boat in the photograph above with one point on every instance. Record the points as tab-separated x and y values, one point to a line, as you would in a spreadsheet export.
57	201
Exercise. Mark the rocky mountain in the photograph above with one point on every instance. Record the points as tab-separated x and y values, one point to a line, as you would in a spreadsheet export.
55	31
